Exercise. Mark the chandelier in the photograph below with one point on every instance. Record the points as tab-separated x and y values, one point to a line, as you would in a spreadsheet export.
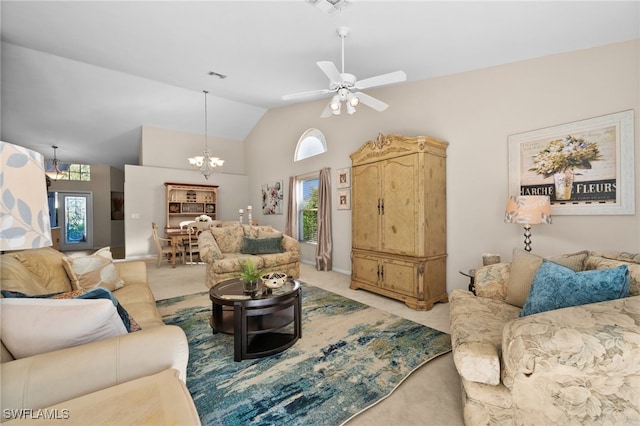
206	163
54	169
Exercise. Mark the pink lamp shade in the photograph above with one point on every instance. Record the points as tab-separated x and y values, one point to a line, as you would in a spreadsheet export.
528	210
24	211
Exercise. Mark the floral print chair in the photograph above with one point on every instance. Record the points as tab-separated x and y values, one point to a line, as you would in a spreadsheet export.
575	365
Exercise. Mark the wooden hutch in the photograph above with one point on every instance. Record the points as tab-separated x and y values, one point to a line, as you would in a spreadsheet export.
185	201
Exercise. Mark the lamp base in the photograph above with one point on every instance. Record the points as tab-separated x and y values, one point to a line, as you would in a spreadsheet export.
527	238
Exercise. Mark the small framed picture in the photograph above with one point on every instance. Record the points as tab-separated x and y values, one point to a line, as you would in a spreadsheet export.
344	199
344	178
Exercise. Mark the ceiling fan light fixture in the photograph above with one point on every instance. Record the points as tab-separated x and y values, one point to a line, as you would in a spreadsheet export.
335	104
353	100
342	83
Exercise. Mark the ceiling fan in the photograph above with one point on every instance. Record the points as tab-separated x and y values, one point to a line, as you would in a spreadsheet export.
343	85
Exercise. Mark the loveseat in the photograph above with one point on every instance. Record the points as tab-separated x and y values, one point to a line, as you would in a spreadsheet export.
571	365
223	248
135	377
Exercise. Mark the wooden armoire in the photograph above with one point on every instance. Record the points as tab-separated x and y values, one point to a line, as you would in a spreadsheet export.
399	240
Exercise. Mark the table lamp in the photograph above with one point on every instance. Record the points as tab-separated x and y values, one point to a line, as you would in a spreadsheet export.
528	210
24	211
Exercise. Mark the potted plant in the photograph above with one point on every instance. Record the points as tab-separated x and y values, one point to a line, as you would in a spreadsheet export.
560	158
250	274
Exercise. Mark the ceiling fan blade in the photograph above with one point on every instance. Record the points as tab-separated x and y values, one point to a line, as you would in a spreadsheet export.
329	68
392	77
371	102
303	94
327	111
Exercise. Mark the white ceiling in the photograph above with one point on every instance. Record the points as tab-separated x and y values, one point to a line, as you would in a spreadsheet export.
85	75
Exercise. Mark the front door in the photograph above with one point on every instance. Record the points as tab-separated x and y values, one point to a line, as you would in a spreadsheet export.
76	220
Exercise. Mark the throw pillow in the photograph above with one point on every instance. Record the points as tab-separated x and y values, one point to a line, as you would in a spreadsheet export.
264	232
31	326
87	272
524	266
229	238
555	286
96	293
261	245
45	265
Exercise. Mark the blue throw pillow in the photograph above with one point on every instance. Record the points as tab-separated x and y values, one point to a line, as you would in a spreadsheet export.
555	286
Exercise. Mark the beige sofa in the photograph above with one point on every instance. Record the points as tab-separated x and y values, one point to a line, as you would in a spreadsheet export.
575	365
224	247
133	378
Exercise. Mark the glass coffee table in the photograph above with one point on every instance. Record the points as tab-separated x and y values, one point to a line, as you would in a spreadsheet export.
263	323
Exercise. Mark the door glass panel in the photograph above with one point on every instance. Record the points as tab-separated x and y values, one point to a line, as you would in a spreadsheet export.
76	219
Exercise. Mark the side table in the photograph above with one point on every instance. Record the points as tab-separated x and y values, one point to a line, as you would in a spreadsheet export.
471	274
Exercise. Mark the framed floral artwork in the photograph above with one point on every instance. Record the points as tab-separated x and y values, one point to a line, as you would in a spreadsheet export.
344	178
585	167
272	197
344	199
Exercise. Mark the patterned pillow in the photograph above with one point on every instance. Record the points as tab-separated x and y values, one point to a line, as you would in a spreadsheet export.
229	238
266	232
524	266
87	272
556	286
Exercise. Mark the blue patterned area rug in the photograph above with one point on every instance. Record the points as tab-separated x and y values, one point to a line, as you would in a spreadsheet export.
350	357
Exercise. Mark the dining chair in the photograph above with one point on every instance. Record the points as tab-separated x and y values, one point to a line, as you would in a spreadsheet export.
193	229
163	246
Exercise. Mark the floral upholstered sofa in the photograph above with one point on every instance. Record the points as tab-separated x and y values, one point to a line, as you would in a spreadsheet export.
572	365
225	246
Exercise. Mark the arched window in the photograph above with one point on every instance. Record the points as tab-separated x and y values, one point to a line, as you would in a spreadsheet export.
312	142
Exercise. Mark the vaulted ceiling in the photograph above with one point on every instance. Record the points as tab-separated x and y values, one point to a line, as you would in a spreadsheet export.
85	75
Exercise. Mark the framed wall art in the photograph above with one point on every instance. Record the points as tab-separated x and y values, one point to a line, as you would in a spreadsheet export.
272	197
344	178
344	199
117	205
585	167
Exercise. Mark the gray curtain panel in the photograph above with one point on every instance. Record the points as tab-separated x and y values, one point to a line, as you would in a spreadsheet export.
324	247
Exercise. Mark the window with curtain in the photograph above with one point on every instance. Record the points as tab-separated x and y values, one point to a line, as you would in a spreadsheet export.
307	201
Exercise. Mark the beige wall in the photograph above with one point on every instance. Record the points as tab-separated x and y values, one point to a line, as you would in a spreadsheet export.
475	112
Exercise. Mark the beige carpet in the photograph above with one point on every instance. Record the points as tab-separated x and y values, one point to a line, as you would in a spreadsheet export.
430	396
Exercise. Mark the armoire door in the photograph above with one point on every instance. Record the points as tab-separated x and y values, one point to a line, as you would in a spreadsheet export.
365	219
401	198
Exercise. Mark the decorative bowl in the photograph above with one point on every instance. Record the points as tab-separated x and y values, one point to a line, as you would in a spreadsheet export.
274	280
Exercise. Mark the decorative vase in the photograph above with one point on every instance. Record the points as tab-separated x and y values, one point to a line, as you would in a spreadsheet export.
250	286
564	185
